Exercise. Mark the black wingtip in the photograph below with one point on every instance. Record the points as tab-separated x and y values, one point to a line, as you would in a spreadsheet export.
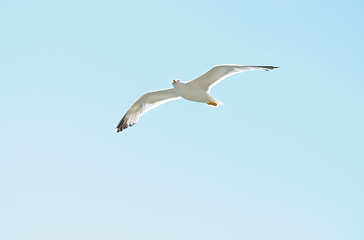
123	124
267	68
120	129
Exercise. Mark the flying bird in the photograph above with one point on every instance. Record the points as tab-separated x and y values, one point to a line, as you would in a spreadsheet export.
196	90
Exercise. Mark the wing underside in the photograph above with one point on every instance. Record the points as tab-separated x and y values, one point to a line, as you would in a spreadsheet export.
220	72
145	103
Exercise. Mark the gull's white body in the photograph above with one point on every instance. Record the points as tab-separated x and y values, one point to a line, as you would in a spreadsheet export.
190	92
196	90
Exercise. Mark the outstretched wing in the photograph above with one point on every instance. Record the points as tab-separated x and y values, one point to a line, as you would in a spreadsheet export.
145	103
220	72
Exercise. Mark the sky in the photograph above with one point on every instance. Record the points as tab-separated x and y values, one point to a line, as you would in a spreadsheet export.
282	159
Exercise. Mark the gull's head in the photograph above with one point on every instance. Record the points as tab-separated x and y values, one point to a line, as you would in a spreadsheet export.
175	81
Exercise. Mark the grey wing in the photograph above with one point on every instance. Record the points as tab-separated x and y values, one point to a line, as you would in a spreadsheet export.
145	103
220	72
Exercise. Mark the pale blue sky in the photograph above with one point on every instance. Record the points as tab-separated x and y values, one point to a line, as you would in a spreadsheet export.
282	159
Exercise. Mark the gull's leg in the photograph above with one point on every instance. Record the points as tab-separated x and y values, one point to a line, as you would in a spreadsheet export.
212	103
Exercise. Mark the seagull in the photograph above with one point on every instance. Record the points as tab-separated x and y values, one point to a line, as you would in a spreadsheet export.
196	90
